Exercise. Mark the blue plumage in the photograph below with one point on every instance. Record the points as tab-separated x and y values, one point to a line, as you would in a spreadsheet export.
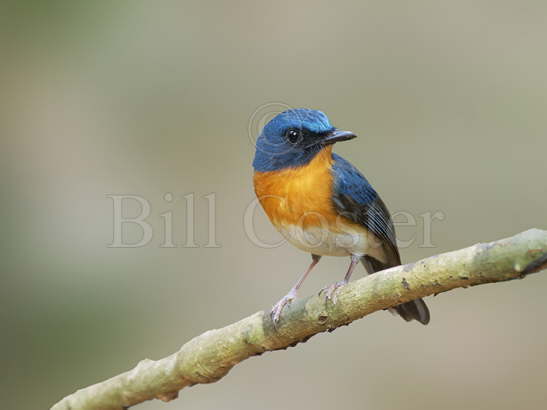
349	181
356	199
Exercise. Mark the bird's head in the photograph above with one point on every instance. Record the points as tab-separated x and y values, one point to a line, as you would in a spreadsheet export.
293	138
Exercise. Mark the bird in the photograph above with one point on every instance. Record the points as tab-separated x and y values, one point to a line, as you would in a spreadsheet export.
322	204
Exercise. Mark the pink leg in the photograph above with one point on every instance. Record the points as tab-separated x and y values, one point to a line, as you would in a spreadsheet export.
330	291
278	307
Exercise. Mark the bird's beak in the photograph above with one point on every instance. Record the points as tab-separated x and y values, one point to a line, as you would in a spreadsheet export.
337	136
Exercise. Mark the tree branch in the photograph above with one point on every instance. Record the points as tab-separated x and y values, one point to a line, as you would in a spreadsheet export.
209	357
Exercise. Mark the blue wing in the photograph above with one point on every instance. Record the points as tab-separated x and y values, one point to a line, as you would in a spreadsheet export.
356	199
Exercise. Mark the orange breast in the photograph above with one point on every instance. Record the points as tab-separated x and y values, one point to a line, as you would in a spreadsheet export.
299	196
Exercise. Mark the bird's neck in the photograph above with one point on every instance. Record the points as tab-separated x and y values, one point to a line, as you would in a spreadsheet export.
320	164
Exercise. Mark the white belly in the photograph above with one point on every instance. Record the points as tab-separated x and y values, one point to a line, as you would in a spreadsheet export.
324	242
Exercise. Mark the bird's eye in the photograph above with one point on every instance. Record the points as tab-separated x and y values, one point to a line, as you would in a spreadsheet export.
293	136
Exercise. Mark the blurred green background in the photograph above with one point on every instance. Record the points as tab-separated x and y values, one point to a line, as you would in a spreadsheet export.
139	97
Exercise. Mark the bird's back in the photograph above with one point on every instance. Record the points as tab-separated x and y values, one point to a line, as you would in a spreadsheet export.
356	200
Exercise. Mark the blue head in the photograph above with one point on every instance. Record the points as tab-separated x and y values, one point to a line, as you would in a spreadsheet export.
293	138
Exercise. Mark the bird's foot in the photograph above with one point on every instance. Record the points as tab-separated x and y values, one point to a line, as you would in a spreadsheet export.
330	291
275	313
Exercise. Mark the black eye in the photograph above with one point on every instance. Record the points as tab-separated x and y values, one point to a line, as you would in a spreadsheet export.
293	136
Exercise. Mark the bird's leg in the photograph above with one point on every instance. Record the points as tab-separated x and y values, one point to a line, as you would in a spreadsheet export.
278	307
330	291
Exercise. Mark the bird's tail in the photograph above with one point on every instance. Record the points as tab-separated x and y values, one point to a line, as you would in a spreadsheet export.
413	310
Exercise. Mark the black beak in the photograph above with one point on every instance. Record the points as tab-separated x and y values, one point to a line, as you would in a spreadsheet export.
337	136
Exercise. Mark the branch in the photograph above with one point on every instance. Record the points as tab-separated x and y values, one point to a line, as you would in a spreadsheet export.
208	357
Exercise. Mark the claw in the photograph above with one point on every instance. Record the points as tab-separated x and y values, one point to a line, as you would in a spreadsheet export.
330	291
277	309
